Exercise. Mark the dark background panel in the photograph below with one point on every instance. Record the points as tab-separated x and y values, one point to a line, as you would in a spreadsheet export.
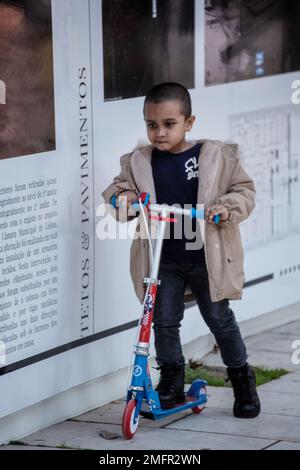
250	39
145	43
27	122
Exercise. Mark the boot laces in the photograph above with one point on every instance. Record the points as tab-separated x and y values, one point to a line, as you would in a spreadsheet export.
244	387
166	378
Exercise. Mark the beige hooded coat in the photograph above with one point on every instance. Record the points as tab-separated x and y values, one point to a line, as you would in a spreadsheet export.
222	180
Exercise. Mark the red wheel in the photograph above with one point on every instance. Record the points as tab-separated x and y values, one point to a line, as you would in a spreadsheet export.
199	408
129	427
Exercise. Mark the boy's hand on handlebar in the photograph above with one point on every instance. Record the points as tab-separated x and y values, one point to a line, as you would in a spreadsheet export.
214	210
126	199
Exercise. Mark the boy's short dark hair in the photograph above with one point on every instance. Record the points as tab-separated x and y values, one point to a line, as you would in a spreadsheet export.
170	91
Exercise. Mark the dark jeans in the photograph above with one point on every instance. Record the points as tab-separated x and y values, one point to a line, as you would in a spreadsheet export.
169	309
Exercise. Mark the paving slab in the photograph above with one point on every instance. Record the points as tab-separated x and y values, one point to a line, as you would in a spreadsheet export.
272	349
258	358
81	435
217	420
289	383
292	329
284	445
276	343
271	359
279	338
274	403
25	447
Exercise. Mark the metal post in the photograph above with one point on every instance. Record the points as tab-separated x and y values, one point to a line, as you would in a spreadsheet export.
154	8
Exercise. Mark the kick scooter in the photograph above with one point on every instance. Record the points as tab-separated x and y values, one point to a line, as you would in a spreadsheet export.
142	399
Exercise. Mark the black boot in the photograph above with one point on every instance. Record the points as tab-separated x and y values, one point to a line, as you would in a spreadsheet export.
171	385
246	403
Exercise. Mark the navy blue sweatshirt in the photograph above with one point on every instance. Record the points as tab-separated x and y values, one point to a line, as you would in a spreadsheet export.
176	182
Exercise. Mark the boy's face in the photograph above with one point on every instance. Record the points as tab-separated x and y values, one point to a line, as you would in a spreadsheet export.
166	125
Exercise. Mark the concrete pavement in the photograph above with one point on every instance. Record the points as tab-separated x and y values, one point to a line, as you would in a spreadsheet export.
277	427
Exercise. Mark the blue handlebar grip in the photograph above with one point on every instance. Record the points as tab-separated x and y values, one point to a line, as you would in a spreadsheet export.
197	214
113	201
200	214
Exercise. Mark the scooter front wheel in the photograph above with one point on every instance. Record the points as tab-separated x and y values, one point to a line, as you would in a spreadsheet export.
129	422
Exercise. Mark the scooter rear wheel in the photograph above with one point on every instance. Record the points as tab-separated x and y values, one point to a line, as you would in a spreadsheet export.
197	409
129	426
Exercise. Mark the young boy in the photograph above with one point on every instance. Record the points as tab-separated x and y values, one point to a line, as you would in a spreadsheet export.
175	171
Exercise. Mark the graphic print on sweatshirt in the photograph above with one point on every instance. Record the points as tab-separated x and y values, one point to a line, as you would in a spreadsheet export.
191	168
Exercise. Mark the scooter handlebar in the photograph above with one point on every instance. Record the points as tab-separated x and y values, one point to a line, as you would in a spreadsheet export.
193	213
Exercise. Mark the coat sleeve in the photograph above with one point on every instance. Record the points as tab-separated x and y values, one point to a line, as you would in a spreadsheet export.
240	196
123	182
